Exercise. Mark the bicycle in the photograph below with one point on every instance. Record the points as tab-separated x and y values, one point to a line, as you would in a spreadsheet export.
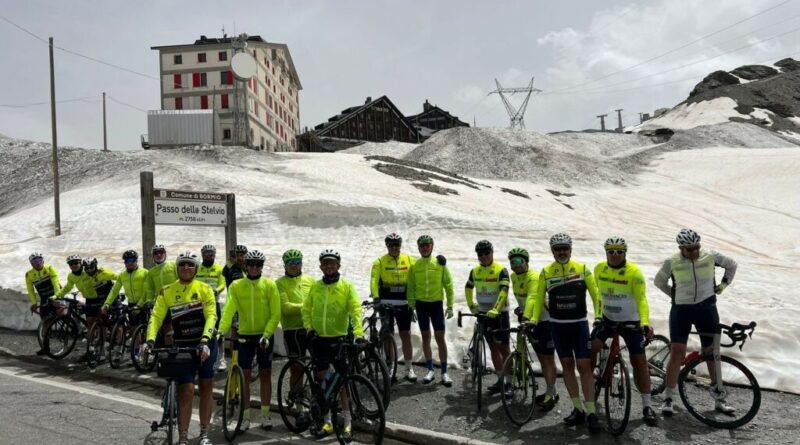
657	353
232	402
40	328
172	362
382	339
138	338
62	332
100	331
303	404
476	354
613	378
121	336
523	380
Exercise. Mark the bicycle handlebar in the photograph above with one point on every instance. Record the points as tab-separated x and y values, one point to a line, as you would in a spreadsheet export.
737	333
480	316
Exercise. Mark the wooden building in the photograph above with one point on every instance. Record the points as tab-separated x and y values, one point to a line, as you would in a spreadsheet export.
433	119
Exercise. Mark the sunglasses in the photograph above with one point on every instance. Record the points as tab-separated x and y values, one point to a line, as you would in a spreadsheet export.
160	252
561	248
518	261
37	260
187	265
130	261
394	245
425	246
615	252
692	248
293	262
253	264
483	252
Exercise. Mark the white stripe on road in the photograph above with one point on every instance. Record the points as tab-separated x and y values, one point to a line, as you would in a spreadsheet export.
86	391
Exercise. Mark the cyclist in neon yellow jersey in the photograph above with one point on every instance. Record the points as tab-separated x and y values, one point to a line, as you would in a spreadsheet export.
161	274
133	280
210	273
41	280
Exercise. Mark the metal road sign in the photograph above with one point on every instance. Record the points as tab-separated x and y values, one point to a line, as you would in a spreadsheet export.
176	207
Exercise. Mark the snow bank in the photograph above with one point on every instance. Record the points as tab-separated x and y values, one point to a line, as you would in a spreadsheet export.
691	115
392	148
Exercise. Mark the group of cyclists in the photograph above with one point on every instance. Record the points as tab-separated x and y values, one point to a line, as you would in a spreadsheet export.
192	307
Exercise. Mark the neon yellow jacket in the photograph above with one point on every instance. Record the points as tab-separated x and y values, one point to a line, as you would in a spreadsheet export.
389	277
135	285
86	283
525	286
491	283
212	276
293	291
623	293
159	276
179	294
258	304
42	282
429	281
565	286
329	308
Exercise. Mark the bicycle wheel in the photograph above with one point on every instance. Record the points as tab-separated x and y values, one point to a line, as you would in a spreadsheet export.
40	329
142	364
617	399
117	343
171	409
519	406
60	337
657	353
295	395
389	355
94	344
371	365
233	402
478	369
366	411
698	392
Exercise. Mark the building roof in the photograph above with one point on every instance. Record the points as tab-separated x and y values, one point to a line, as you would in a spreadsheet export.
348	113
203	40
434	109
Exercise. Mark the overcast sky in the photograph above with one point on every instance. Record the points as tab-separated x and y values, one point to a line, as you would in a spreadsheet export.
590	57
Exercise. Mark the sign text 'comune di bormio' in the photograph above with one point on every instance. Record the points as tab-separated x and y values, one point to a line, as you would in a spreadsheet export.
190	208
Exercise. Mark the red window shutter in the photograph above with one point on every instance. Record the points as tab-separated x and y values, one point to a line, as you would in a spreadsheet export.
224	101
250	83
230	77
179	103
176	80
195	79
204	102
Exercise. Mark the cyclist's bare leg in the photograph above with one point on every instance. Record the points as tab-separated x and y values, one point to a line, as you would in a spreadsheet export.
548	363
265	376
441	345
206	402
405	338
248	376
677	353
500	351
185	395
570	381
426	344
641	373
597	345
587	378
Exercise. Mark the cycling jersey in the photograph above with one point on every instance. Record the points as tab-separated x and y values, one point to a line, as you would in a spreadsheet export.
389	278
135	285
429	281
491	284
293	292
565	287
212	276
329	308
42	282
232	273
190	308
159	276
623	293
258	304
525	286
693	281
92	287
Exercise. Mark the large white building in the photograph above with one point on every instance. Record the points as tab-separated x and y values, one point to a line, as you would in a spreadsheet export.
198	76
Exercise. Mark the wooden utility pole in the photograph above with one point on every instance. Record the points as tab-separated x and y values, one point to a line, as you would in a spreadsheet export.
602	122
55	142
148	217
105	138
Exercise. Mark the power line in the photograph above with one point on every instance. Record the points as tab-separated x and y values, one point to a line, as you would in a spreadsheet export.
32	104
125	104
75	53
672	50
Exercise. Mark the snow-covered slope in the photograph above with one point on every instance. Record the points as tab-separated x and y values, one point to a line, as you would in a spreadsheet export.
743	202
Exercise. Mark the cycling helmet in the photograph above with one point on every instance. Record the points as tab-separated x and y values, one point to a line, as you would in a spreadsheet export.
615	242
188	257
158	247
34	256
292	254
687	237
393	238
518	252
89	263
560	239
208	248
72	259
130	254
484	245
240	248
254	256
424	239
329	254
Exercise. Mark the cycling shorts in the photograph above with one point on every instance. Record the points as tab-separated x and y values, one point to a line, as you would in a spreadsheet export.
634	338
92	307
571	339
296	342
703	316
543	334
401	315
430	312
205	370
500	322
250	350
323	351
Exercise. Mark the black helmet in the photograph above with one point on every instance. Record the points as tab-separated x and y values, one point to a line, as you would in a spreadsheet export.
484	246
130	254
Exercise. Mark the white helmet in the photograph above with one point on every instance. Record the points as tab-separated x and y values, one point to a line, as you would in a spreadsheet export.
615	242
158	247
254	256
687	237
560	239
208	248
329	254
34	256
188	257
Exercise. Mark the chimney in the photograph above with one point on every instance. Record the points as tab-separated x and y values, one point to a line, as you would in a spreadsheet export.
369	99
426	106
203	38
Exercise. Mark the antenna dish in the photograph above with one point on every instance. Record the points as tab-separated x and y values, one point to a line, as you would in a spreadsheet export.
243	66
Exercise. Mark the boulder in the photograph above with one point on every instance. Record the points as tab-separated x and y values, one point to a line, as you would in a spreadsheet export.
754	72
714	80
788	64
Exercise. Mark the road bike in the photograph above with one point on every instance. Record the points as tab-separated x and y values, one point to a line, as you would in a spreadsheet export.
63	332
476	354
519	403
